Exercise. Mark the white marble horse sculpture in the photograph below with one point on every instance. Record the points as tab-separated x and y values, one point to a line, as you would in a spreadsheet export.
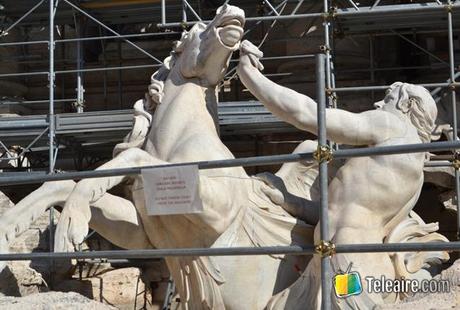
238	210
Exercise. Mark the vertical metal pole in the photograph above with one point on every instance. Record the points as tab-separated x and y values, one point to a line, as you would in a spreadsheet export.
120	95
327	48
51	78
454	106
163	12
371	63
322	141
80	89
184	12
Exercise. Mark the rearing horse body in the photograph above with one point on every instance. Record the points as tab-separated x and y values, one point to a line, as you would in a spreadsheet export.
236	210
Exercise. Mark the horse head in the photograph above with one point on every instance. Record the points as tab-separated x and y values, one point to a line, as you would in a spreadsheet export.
203	53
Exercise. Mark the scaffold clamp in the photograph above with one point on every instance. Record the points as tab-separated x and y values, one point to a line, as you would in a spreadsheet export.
325	248
323	153
456	161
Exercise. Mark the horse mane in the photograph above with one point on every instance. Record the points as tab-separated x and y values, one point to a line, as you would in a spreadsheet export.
159	77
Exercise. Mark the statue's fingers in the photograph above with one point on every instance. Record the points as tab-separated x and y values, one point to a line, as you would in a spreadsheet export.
255	62
246	47
249	48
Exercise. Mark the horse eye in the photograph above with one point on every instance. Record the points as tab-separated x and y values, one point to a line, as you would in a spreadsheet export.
388	91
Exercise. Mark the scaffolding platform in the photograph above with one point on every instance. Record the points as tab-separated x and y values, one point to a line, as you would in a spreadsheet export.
235	118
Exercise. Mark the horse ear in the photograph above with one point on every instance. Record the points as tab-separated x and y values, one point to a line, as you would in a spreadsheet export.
178	46
406	105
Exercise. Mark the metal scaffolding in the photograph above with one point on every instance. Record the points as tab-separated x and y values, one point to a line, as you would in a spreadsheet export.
326	97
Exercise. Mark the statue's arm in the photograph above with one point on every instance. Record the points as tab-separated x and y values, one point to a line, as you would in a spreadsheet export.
301	111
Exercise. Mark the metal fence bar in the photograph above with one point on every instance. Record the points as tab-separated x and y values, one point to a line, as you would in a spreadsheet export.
247	162
323	197
235	251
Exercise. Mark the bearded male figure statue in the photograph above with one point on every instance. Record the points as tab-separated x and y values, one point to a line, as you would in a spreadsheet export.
368	196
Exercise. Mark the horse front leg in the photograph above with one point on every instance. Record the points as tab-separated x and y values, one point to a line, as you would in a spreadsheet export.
16	220
73	226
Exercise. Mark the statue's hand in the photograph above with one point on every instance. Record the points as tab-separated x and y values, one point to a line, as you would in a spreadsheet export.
73	223
250	55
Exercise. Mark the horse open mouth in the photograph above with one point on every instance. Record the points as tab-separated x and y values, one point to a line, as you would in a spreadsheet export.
231	31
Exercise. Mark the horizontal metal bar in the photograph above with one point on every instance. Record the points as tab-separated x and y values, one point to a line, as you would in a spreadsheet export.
341	12
22	43
156	253
82	70
108	68
398	247
245	162
3	75
384	87
237	251
133	35
9	102
396	149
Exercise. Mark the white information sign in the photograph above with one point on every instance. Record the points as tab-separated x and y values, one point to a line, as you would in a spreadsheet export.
172	190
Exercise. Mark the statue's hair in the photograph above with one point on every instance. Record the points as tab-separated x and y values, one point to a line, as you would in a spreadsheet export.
416	102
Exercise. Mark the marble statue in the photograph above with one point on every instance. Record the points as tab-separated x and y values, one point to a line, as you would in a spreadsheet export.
183	129
176	122
369	197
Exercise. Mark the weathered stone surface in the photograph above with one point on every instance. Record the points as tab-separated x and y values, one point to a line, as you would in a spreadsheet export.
21	278
52	301
122	288
450	300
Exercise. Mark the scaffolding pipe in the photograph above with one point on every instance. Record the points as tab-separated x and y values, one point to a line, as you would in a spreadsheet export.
323	197
113	31
5	32
238	251
80	90
51	118
385	87
327	50
163	12
245	162
454	108
419	7
134	35
6	44
9	102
